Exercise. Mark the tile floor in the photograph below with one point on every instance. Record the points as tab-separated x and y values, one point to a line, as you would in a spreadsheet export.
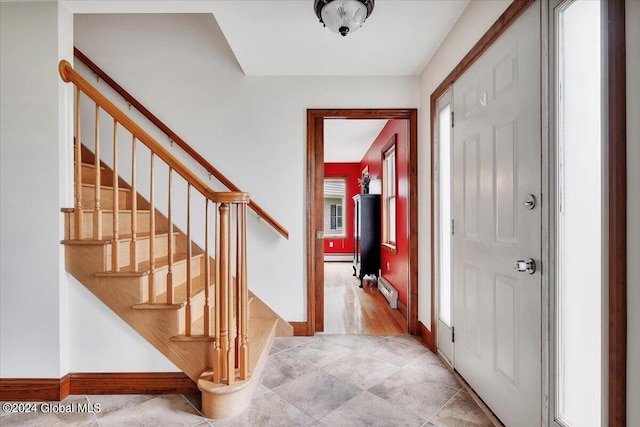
326	380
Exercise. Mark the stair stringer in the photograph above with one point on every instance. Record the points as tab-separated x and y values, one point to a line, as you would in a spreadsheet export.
120	294
260	310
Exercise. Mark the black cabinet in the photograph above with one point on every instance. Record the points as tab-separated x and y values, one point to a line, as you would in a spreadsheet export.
366	257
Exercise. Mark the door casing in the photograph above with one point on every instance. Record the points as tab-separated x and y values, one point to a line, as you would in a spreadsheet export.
315	177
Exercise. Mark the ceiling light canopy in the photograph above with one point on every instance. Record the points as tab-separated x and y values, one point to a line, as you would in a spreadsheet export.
343	16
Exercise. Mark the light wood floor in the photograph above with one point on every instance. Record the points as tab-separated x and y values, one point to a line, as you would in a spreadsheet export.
349	309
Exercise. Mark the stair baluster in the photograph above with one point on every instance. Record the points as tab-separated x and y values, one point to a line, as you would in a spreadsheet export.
78	216
152	233
189	256
242	292
217	295
207	272
170	248
115	253
231	306
97	212
133	251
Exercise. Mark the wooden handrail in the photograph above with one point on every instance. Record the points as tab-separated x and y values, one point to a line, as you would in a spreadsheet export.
68	74
179	141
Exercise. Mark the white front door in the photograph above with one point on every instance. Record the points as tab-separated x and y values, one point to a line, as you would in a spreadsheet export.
496	173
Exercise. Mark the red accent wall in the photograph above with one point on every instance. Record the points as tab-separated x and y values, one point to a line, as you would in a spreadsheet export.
350	171
394	265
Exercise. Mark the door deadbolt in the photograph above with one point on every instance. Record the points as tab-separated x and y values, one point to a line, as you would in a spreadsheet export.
529	266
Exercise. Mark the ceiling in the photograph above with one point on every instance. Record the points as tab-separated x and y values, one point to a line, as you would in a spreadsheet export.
284	38
347	141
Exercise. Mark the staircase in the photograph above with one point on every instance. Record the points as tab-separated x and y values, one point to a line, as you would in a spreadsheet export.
190	301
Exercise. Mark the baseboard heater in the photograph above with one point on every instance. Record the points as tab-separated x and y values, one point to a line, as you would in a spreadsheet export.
337	257
389	292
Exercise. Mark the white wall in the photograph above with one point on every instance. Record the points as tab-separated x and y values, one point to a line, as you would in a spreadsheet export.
472	24
102	342
34	132
65	168
633	211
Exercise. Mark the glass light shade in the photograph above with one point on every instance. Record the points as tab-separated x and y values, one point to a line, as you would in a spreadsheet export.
344	16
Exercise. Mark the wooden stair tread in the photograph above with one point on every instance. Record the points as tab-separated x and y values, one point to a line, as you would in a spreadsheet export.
143	211
144	267
72	210
180	291
122	238
91	165
105	187
157	306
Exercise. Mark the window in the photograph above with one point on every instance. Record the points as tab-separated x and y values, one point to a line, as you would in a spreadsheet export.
579	280
336	217
389	194
334	208
444	217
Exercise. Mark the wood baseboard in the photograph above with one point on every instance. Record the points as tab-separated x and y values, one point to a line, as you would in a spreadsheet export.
34	389
300	329
45	389
132	383
403	309
426	336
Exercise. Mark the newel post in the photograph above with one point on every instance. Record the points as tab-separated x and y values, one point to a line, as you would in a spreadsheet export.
242	291
227	347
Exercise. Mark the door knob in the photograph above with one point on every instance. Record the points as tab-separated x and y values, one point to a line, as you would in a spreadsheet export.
529	266
530	202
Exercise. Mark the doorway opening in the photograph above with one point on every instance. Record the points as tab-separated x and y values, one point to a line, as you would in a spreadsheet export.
322	247
363	258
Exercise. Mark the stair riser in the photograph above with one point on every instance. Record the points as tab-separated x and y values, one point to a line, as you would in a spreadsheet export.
89	175
197	311
179	276
124	223
143	247
106	198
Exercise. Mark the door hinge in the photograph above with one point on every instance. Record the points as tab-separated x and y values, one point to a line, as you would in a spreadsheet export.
452	119
453	334
453	227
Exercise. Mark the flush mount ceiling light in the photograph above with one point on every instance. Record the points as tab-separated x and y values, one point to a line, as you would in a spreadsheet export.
343	16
